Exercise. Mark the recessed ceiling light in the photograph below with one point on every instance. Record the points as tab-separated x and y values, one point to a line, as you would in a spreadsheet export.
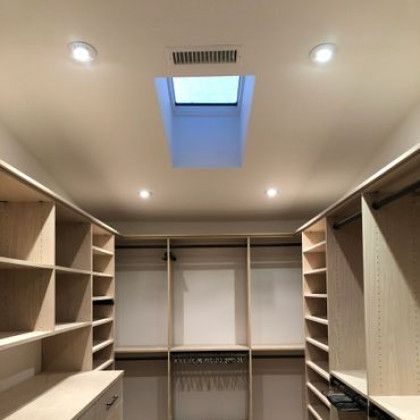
271	192
82	51
145	194
323	53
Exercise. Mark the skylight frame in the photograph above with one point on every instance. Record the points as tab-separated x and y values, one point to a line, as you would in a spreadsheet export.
203	105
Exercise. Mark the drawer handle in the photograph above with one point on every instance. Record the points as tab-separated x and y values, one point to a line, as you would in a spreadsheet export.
109	404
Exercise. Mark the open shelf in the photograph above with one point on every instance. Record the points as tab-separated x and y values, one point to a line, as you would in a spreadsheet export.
105	365
63	327
320	367
318	389
209	347
354	379
319	411
103	286
316	296
101	251
320	342
312	272
101	321
102	356
279	349
99	344
61	269
400	407
320	319
316	248
27	231
73	244
15	264
72	302
102	298
141	349
12	338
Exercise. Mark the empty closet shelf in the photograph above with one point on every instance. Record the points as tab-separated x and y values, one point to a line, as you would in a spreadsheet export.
69	326
315	249
13	338
315	271
141	349
400	407
319	394
102	298
210	347
97	250
320	342
316	295
319	411
99	274
101	321
320	319
68	270
354	379
105	364
319	367
295	349
16	264
101	344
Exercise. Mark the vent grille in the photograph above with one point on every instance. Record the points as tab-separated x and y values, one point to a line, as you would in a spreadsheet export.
221	56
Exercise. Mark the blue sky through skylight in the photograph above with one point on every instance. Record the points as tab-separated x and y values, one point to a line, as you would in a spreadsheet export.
213	90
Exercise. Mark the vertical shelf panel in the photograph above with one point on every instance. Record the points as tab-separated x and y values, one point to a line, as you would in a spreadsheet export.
392	266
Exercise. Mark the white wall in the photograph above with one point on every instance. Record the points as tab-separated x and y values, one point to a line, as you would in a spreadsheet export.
15	154
405	136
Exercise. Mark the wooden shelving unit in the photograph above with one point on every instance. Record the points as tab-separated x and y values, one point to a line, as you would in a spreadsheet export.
46	281
315	297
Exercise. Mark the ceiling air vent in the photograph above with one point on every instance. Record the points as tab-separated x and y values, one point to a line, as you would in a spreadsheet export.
206	55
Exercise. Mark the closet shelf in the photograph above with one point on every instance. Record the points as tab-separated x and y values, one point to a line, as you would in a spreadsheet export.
141	349
97	250
105	364
316	409
278	348
16	264
354	379
315	271
209	347
400	407
320	342
99	274
320	319
317	248
319	394
316	295
319	367
101	321
68	270
102	298
101	344
69	326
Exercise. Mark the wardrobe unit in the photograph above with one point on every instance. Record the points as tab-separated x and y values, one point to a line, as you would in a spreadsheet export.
210	327
56	312
361	264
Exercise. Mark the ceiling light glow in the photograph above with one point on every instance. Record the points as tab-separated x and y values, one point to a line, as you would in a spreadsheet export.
323	53
271	192
82	52
145	194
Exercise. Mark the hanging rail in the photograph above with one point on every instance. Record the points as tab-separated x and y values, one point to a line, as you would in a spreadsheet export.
211	358
378	204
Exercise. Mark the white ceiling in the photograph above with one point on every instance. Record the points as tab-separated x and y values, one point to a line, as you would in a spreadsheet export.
98	130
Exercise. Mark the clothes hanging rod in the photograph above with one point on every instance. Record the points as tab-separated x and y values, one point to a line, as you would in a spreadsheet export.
285	244
395	196
347	220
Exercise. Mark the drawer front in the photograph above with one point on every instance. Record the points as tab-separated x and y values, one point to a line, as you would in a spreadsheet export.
108	407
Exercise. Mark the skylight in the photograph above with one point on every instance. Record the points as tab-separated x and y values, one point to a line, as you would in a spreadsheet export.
214	90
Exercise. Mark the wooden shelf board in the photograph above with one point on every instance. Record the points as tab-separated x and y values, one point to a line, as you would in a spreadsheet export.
354	379
315	271
105	364
13	338
99	274
101	344
209	347
16	264
319	367
102	321
316	249
97	250
141	349
320	342
278	348
319	411
102	298
68	270
316	296
317	318
400	407
62	327
319	394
